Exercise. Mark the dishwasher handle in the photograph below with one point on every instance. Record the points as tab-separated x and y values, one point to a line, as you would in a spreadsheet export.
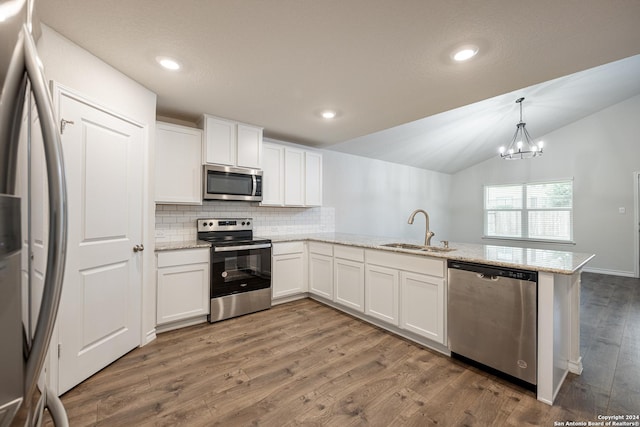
487	277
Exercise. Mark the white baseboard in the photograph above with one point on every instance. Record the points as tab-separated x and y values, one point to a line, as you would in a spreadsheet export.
150	336
575	366
181	324
282	300
609	272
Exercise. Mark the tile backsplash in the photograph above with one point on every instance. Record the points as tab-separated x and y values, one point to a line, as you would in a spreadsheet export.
175	223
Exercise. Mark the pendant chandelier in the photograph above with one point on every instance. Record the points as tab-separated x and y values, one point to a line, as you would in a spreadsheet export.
522	145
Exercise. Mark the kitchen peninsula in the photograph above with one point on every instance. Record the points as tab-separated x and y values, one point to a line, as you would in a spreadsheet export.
405	291
558	294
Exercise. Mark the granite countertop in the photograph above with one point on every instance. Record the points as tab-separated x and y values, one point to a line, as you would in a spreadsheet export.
187	244
545	260
550	261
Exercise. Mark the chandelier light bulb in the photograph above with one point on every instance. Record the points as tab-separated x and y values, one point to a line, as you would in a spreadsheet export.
519	145
540	144
502	150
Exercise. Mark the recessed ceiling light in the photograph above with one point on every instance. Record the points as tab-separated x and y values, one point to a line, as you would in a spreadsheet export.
168	63
465	53
328	114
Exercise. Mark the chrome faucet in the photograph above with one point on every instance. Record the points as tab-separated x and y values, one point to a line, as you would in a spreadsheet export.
428	234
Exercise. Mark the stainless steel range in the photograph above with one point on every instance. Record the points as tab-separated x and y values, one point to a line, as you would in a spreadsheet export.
240	267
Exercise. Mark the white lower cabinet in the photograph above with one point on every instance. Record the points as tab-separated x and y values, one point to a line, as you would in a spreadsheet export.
288	269
402	290
381	293
321	270
348	277
183	284
349	283
422	307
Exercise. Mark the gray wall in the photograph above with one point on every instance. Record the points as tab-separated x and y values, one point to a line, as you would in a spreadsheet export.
375	198
600	152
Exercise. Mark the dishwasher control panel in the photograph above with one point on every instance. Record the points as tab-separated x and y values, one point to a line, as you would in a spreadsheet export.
487	270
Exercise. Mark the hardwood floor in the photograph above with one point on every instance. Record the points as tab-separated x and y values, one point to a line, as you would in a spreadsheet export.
303	363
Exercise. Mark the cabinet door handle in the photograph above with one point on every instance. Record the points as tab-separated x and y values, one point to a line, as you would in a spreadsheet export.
138	248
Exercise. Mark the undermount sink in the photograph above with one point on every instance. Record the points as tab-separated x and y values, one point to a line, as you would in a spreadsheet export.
418	247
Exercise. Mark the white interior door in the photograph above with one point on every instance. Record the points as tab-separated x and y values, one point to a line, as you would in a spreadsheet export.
100	313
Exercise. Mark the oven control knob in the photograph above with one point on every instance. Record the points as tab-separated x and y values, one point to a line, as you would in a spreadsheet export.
248	223
210	224
243	222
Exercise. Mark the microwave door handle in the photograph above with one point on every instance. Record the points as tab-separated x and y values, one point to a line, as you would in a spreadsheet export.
240	248
57	245
255	185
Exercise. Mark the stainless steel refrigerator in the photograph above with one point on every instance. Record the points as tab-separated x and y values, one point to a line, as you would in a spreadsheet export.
23	347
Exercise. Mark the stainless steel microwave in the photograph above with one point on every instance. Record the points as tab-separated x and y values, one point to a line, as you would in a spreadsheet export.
231	183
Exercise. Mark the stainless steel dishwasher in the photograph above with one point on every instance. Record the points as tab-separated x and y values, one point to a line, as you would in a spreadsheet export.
492	318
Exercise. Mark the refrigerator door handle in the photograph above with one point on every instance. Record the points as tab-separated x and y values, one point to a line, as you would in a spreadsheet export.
57	246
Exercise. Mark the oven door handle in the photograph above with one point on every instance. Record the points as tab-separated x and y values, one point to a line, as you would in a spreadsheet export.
240	248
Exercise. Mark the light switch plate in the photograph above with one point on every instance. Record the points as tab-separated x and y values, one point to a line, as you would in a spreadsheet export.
622	210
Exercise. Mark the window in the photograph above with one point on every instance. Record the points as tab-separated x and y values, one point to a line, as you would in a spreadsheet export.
536	211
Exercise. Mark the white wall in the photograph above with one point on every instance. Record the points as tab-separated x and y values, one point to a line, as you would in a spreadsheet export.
375	198
68	64
600	152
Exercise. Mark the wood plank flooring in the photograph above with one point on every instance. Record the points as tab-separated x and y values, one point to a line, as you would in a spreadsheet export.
304	363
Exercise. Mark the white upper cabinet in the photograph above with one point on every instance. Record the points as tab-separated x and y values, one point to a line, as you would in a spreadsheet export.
249	139
291	176
313	178
220	141
272	174
230	143
178	164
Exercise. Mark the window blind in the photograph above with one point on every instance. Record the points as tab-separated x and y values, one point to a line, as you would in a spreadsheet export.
535	211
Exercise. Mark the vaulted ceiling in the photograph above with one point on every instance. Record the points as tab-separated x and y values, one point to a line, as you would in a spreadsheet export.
379	63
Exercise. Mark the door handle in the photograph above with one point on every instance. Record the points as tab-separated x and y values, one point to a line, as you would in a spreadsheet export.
138	248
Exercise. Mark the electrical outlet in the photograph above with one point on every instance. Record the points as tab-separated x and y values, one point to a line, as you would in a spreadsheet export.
622	210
